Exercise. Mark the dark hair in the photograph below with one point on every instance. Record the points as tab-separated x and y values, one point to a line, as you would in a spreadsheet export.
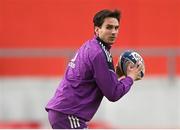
99	17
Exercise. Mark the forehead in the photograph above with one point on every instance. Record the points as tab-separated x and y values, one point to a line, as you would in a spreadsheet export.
111	21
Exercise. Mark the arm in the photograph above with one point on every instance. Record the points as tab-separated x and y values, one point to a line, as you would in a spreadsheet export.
107	80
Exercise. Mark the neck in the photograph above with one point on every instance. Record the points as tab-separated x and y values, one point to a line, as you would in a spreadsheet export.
104	43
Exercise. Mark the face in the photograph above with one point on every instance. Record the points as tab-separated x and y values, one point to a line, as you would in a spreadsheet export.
108	31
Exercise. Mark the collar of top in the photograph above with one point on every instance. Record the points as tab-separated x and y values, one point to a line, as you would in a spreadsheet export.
108	47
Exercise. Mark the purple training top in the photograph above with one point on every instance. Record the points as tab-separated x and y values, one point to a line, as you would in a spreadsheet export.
89	76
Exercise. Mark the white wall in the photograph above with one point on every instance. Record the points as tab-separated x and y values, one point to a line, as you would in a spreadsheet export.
153	102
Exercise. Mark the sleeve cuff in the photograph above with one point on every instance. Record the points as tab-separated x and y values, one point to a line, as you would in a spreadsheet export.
130	79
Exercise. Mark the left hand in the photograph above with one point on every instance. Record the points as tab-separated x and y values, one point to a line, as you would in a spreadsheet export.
118	71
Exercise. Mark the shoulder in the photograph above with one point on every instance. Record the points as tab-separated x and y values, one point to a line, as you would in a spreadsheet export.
93	48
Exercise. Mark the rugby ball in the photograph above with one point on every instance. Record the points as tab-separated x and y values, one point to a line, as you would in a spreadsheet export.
130	56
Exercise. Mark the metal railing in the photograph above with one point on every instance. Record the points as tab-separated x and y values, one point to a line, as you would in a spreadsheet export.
171	54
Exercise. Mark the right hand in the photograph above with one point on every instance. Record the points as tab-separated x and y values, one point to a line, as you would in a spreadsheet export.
134	70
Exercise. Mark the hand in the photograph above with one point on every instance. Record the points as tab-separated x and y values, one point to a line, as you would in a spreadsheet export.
134	70
118	71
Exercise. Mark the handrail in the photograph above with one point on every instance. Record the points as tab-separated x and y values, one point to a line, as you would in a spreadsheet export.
170	53
35	52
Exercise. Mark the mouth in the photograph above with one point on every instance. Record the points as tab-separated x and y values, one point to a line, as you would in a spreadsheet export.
112	38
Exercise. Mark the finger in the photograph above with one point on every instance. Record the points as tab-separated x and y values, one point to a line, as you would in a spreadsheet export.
140	67
138	77
130	65
137	64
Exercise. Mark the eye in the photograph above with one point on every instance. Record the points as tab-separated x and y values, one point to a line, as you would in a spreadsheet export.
117	27
109	27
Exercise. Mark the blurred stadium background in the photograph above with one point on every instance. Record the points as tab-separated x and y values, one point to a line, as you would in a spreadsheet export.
38	37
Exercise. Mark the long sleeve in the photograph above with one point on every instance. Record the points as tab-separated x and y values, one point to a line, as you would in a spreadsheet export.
107	80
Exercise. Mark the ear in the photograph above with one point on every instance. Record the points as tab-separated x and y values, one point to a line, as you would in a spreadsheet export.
96	30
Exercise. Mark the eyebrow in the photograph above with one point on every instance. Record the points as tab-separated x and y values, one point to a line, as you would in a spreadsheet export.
112	25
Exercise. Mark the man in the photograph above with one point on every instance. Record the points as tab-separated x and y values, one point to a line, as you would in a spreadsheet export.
90	76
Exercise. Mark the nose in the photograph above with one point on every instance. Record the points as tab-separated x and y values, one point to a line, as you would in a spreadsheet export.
114	31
